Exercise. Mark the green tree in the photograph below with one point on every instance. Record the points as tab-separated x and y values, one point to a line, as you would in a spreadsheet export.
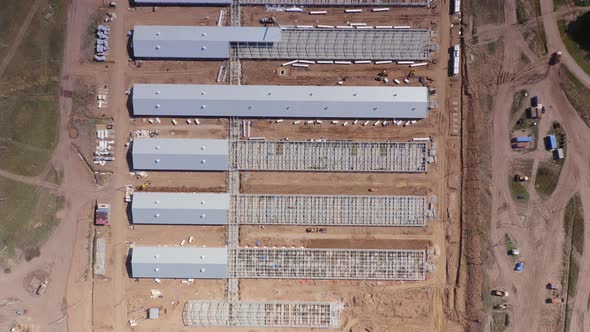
579	31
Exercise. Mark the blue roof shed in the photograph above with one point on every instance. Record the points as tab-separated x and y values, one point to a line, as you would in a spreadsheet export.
525	139
551	142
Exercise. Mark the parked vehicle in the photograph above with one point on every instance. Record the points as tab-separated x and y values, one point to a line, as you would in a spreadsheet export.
555	300
501	293
555	58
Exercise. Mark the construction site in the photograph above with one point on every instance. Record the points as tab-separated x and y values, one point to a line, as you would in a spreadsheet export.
277	165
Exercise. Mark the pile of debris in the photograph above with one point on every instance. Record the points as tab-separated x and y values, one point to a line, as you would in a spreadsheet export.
103	152
102	42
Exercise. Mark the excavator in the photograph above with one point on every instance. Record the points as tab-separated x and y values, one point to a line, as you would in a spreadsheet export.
269	20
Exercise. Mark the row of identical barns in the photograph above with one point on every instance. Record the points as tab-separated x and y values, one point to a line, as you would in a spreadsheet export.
234	155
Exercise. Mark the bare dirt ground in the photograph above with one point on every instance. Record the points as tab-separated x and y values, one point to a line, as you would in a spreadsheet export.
536	227
108	303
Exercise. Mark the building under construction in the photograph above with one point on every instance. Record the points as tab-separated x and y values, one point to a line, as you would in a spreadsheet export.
160	208
272	43
327	156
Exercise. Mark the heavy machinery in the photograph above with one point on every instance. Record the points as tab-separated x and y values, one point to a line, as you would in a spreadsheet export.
500	293
268	20
315	230
555	58
501	306
381	76
555	300
144	185
411	74
520	178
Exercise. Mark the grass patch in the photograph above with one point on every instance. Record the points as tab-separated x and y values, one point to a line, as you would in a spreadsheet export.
510	244
547	178
29	120
485	11
526	10
580	55
519	100
492	47
573	225
501	321
524	59
517	189
27	219
576	93
535	37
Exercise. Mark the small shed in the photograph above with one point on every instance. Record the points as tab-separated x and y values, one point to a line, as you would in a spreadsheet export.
101	216
551	142
154	313
521	145
558	154
533	113
522	139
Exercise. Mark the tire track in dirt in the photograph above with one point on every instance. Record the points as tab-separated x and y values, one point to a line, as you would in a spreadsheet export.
19	37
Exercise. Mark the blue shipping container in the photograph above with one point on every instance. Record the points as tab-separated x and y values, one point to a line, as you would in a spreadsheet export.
551	142
523	139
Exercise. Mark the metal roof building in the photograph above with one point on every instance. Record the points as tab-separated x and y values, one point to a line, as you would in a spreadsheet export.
196	42
178	262
182	2
280	101
323	3
180	208
180	154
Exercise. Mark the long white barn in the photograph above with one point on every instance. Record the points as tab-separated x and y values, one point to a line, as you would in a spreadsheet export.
337	102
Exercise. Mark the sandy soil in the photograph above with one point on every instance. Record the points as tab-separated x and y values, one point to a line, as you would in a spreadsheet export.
536	227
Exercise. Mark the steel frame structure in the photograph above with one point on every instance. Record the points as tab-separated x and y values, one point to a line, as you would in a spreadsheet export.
262	314
329	156
328	210
344	264
342	44
331	3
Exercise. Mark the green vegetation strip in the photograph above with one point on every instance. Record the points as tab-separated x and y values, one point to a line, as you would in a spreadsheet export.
517	189
501	320
573	224
30	104
518	100
576	93
547	178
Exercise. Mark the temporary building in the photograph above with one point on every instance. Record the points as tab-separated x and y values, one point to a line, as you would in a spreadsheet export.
178	262
180	208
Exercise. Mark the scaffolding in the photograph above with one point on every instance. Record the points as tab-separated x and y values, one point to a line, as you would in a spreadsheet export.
329	3
342	44
330	210
262	314
304	263
332	156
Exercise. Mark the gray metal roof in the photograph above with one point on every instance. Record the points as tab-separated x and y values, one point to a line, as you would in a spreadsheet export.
180	208
180	154
280	101
178	262
182	2
196	42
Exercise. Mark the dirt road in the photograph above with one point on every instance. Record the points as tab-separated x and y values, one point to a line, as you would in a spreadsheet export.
554	41
537	227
